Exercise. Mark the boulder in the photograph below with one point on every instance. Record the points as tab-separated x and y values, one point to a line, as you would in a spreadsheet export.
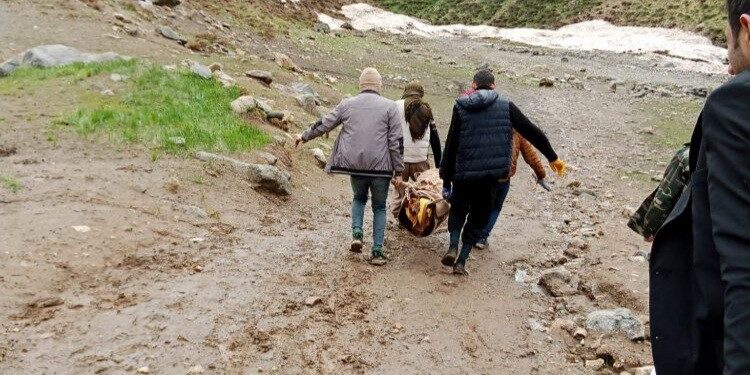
261	75
168	33
243	104
53	55
616	320
201	70
267	177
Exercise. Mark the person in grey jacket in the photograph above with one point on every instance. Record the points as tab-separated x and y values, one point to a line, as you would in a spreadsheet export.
370	149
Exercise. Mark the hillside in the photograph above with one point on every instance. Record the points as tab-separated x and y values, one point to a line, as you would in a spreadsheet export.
704	16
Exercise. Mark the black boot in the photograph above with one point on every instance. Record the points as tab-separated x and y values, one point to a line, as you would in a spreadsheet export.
449	259
460	269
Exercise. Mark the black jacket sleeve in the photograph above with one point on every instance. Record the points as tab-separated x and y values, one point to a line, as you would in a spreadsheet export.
448	165
437	149
726	144
532	133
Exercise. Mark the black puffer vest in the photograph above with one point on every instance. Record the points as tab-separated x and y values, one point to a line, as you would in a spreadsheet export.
486	138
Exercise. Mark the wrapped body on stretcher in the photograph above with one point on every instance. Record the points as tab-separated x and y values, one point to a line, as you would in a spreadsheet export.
419	206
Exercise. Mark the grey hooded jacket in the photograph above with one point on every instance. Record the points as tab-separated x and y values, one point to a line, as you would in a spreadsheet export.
371	140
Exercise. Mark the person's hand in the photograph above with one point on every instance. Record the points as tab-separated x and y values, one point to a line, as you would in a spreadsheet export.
447	193
398	181
649	239
544	184
298	139
558	166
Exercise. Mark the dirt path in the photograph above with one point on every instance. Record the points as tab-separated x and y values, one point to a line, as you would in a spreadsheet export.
186	267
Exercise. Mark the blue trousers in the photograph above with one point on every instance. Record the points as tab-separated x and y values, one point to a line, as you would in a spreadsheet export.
496	204
378	187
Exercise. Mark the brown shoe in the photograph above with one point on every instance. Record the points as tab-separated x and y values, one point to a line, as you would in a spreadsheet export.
460	269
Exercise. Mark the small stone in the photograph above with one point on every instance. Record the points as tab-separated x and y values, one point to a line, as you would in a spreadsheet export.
82	228
168	3
648	130
120	17
616	320
347	26
114	77
268	158
200	70
596	364
172	185
243	104
320	157
546	82
580	333
143	370
168	33
43	303
285	62
198	269
261	75
197	369
613	87
425	340
312	301
130	30
646	370
107	92
322	27
177	141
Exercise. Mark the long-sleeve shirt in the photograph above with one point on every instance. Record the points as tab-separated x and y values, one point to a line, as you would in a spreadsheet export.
520	123
437	149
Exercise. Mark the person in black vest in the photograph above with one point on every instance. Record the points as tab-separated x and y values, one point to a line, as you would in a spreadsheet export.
700	259
478	154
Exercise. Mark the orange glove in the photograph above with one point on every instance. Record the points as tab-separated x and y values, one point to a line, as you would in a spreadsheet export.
558	166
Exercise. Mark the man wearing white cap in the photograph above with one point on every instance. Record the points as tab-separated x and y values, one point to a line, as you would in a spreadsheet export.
370	149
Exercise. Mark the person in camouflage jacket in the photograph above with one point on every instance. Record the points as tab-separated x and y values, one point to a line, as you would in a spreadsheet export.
656	208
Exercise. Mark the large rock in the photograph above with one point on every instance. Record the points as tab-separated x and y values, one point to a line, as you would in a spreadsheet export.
53	55
267	177
168	33
617	320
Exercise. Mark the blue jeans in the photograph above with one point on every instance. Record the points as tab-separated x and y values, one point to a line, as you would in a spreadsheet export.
378	186
497	205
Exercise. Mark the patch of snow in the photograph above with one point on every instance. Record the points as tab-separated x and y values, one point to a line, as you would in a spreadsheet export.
688	51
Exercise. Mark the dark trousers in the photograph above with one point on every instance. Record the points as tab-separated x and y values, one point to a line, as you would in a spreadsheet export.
471	204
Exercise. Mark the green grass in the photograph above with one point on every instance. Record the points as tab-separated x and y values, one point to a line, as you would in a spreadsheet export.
161	104
10	183
28	77
673	121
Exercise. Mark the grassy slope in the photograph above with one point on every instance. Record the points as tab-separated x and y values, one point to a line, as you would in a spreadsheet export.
154	105
705	16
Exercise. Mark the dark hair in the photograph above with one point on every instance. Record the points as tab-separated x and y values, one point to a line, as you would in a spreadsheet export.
485	79
735	9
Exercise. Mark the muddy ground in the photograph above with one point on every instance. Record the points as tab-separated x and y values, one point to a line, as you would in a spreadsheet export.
157	286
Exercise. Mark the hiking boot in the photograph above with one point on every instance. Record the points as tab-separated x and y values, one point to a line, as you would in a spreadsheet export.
357	237
460	269
482	244
376	257
449	259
